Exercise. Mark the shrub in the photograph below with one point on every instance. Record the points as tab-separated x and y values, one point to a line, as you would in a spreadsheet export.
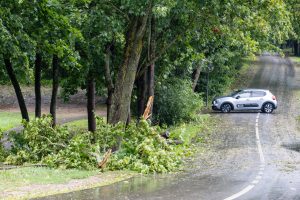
176	102
37	140
142	148
77	154
3	153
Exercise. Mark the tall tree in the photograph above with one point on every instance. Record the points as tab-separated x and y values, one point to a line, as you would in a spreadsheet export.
55	85
15	46
91	89
37	85
17	87
126	76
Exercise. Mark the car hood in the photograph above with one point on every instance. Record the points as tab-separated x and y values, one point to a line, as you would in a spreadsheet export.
223	97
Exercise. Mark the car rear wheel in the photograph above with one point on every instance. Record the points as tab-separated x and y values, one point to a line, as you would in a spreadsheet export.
226	108
268	108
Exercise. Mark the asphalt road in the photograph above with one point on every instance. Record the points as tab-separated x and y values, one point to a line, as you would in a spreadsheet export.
254	155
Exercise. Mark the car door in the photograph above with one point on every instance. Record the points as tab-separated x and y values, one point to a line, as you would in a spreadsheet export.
257	99
243	100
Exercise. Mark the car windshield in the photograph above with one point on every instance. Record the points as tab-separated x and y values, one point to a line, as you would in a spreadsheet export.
234	93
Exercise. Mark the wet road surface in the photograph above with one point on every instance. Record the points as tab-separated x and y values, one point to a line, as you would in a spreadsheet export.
253	156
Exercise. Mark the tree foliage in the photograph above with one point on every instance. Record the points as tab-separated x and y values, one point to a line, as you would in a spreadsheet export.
129	50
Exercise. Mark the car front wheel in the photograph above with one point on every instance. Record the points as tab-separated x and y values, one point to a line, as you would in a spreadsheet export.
268	108
226	108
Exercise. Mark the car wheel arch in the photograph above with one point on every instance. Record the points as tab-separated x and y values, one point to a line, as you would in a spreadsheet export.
266	103
226	102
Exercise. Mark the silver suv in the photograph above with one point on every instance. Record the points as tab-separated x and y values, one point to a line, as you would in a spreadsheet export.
247	99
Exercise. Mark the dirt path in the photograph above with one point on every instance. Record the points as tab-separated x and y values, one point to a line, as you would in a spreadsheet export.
75	108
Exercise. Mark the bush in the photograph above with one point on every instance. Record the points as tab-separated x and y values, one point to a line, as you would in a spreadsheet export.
77	154
142	148
3	153
37	140
176	102
56	147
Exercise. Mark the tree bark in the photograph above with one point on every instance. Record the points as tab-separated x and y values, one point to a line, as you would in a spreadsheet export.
91	103
196	77
55	84
296	48
142	90
17	88
151	69
109	81
126	76
37	85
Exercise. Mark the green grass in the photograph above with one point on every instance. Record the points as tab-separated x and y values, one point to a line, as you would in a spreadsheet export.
193	131
10	120
81	124
13	178
36	178
78	124
295	59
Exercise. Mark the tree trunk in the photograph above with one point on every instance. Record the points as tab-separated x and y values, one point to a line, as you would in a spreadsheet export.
55	84
17	88
142	90
196	77
109	81
91	103
151	69
296	48
37	85
128	120
126	76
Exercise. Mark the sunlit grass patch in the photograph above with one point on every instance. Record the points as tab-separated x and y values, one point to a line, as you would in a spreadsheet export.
194	131
10	120
295	59
81	124
39	175
78	124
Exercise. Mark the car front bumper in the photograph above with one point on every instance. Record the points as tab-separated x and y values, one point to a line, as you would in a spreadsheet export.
214	107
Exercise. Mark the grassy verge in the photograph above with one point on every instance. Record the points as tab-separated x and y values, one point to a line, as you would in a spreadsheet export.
10	120
295	59
26	183
192	132
11	179
42	181
77	125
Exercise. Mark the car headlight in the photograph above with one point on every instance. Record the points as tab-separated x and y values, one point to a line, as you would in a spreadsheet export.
215	101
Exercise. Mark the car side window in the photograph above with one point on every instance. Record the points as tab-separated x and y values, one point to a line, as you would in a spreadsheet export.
258	94
244	95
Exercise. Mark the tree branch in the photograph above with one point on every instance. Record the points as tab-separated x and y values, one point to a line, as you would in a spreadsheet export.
144	65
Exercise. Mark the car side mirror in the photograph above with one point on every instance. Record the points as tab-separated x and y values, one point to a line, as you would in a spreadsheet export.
237	97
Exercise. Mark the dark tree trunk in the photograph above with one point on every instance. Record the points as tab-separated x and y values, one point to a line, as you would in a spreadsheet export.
129	117
55	84
296	48
151	69
196	77
17	88
91	103
109	82
126	76
142	93
37	85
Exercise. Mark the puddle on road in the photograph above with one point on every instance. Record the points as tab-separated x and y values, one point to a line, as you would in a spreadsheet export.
133	188
293	146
